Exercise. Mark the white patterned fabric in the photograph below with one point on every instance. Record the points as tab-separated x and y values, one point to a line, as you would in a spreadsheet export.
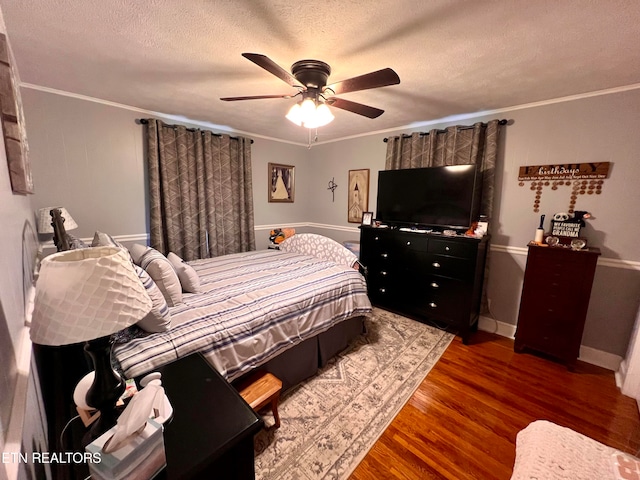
548	451
86	294
319	246
253	306
186	274
159	318
163	273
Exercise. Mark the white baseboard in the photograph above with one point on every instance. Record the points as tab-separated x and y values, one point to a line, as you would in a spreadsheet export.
590	355
488	324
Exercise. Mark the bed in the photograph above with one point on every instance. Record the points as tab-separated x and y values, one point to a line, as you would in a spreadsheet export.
252	307
286	311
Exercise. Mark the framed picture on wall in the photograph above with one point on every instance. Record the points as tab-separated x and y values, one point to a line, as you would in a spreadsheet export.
13	128
281	183
358	195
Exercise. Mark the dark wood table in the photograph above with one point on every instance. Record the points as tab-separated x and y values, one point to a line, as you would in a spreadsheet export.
211	432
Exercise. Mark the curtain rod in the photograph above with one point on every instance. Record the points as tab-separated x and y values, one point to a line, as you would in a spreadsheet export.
461	127
144	121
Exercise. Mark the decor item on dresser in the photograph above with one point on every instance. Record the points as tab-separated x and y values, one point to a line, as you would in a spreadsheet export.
367	219
567	226
358	194
539	236
427	276
86	295
45	225
281	183
555	297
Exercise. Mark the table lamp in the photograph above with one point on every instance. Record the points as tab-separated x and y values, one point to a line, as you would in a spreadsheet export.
86	295
45	223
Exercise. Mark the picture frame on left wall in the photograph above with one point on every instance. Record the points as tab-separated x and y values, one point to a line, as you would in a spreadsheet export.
281	186
13	126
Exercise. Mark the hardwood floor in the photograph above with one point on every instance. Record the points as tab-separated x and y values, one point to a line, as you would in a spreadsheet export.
463	419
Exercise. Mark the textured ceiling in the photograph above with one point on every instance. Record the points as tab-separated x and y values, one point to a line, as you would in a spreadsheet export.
453	57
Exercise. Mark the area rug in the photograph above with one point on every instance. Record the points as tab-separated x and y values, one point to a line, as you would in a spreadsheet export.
329	422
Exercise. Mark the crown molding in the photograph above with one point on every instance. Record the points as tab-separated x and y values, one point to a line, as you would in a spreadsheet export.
412	126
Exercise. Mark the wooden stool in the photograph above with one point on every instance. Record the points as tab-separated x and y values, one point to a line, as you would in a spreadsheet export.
260	389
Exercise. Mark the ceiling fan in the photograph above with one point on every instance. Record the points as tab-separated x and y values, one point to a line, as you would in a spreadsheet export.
310	78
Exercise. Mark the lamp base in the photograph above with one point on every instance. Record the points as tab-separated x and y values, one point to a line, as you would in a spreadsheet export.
106	389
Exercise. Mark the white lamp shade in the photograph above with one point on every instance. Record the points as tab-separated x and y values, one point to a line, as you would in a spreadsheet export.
86	294
44	219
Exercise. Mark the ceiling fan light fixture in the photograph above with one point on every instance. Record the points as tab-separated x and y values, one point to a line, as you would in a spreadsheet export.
295	115
308	114
323	115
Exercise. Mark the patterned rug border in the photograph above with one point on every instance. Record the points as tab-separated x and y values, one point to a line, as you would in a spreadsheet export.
337	454
440	348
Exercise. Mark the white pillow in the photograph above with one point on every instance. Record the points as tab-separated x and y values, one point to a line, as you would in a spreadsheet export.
319	246
186	273
162	272
159	318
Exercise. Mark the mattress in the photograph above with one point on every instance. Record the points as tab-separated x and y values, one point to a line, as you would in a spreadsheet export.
253	306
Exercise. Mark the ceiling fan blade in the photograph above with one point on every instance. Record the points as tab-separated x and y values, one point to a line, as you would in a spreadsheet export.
381	78
359	108
273	68
255	97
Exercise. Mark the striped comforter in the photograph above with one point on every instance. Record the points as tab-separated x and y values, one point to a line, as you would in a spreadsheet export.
253	306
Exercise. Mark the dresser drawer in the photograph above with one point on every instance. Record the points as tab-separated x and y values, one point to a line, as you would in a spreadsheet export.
442	297
445	266
451	248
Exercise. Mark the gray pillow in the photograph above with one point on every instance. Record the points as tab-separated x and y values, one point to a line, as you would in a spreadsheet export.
162	272
186	273
136	251
159	318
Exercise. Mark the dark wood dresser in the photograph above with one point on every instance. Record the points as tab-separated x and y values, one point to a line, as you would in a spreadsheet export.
554	302
425	276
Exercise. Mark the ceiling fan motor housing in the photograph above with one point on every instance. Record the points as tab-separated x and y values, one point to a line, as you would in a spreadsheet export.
311	73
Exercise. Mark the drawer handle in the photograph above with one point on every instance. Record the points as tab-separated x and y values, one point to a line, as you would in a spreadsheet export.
447	248
383	273
434	285
383	290
384	255
408	243
435	265
433	305
376	238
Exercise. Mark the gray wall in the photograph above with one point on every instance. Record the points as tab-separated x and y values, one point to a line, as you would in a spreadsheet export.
88	157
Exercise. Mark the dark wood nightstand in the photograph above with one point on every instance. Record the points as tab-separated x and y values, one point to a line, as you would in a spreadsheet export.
211	432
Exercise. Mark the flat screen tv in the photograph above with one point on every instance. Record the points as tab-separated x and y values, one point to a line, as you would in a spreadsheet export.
429	197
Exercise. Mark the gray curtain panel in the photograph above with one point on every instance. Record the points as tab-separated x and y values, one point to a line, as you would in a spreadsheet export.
458	145
200	192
